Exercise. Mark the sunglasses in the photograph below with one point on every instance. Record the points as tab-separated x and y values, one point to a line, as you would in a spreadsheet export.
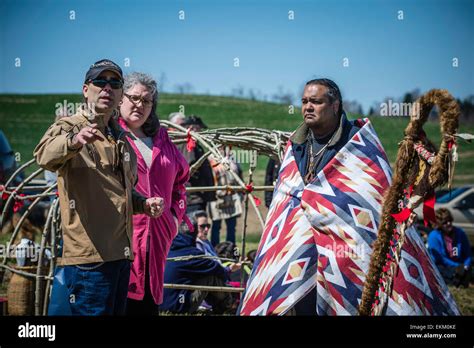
135	99
204	226
114	83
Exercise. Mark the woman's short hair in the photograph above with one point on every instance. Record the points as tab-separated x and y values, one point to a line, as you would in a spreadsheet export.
198	214
152	124
443	215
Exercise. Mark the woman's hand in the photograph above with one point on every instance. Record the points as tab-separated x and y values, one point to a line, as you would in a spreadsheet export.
154	207
235	267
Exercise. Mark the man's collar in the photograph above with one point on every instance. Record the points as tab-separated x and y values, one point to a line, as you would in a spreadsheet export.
300	135
117	130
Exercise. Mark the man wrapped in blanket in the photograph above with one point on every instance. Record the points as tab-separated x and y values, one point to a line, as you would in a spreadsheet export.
315	249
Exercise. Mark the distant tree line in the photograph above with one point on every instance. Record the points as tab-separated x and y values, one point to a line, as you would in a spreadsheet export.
284	96
466	105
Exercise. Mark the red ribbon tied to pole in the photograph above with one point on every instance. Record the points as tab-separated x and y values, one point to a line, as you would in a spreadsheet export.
190	142
19	203
249	189
403	215
4	194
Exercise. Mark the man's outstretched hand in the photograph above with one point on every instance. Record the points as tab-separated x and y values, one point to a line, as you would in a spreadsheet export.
86	135
154	207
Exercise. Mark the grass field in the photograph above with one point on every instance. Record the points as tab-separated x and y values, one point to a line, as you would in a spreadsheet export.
24	119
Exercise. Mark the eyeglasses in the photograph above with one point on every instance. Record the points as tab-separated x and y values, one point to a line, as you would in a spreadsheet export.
136	98
114	83
204	226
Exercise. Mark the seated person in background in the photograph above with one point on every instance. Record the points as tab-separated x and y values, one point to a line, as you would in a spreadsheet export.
202	225
228	250
450	250
194	271
251	257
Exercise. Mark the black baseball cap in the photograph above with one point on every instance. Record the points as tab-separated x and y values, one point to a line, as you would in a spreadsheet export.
102	65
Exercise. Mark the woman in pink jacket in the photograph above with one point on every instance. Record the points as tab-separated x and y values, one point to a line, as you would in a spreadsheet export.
163	172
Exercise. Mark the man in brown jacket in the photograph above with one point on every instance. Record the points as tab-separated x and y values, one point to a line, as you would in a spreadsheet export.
96	176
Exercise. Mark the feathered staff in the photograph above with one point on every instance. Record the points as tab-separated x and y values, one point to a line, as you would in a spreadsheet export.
419	169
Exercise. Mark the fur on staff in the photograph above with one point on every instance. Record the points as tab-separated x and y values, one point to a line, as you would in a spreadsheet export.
411	170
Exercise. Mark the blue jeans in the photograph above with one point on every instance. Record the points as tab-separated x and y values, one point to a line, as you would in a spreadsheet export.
90	289
216	230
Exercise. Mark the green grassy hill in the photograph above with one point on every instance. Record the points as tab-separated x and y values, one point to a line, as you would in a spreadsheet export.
24	119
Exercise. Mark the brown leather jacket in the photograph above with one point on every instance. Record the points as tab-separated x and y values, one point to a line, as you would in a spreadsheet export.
95	188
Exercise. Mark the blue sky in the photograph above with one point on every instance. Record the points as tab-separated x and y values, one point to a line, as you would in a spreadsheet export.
387	56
